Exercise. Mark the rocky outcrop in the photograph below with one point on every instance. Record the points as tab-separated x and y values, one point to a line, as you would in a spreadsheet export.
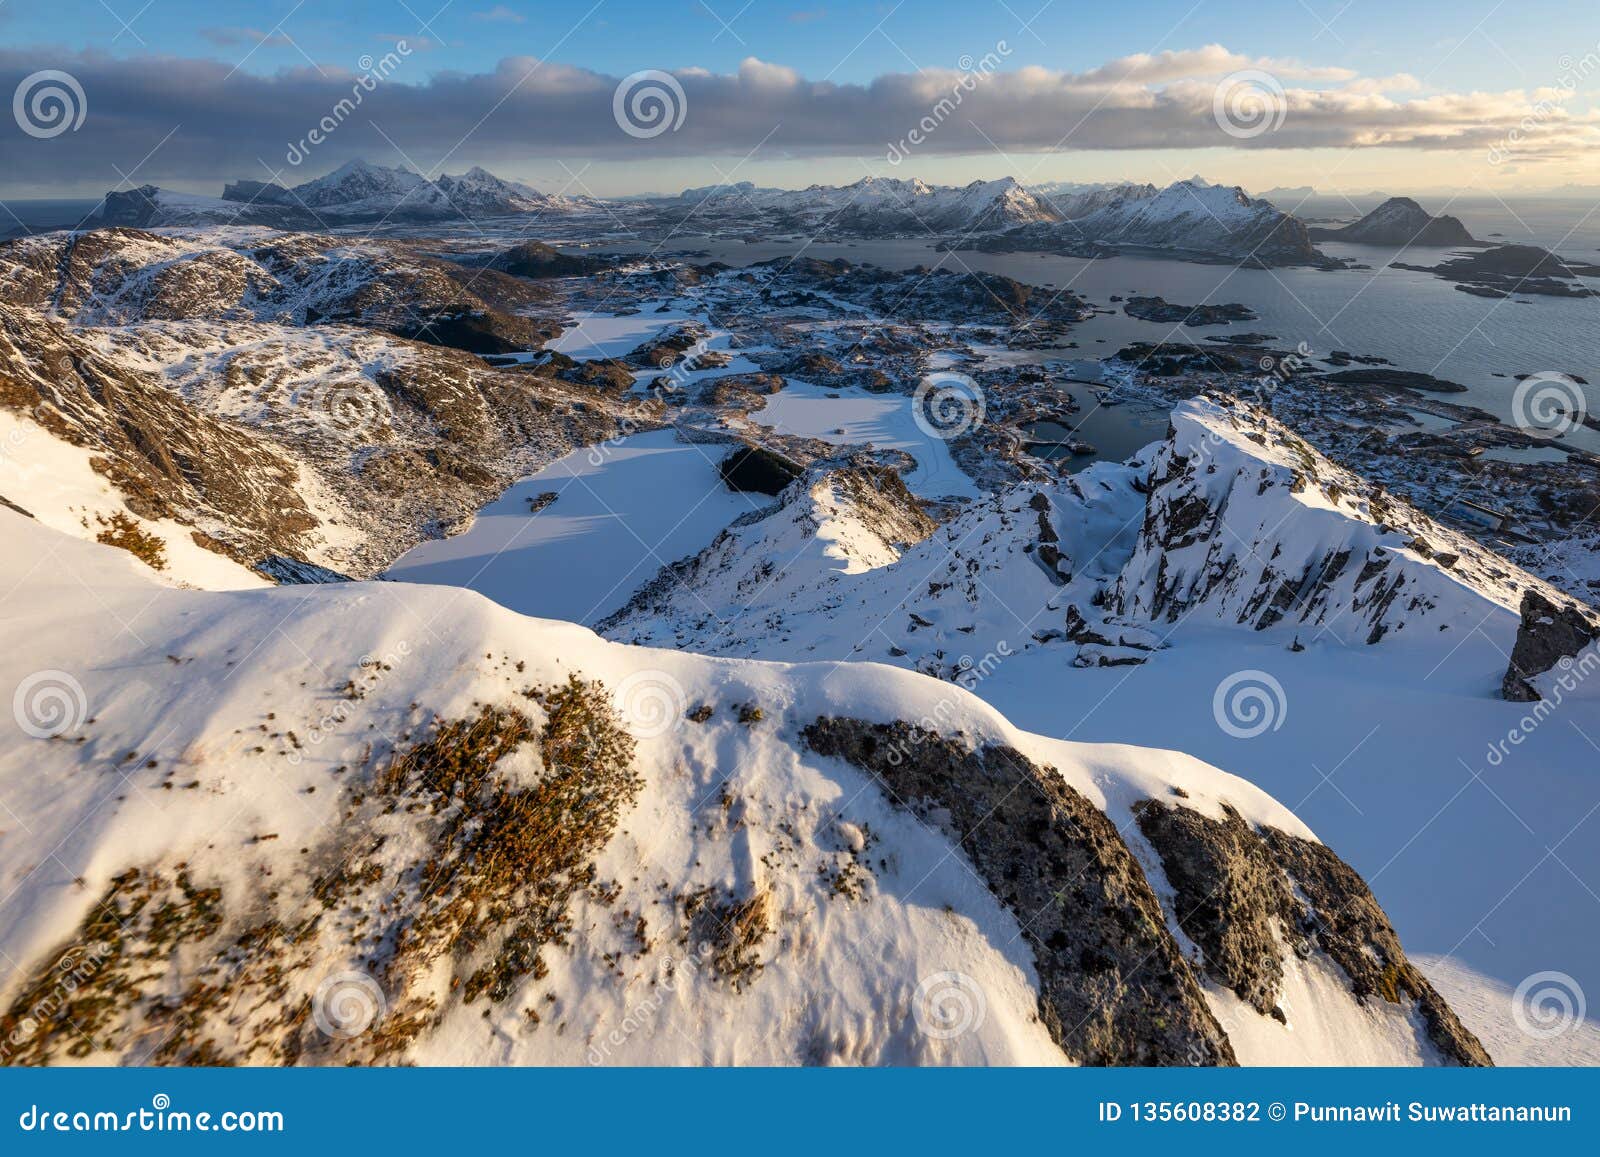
756	469
166	459
1508	269
1552	634
1242	894
1114	988
1399	221
1247	522
535	259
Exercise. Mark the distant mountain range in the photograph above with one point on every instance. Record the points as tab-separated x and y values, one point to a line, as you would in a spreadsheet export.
354	192
1194	219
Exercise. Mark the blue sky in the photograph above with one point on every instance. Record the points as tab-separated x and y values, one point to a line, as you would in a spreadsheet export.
1465	43
1461	44
1444	51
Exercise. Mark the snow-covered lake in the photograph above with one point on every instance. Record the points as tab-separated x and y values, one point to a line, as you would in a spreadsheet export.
605	335
623	511
856	416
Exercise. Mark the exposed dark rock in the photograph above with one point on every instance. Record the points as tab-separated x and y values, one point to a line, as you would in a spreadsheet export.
757	469
1344	919
1507	269
1238	889
1114	986
1550	635
1161	310
1229	897
290	571
256	193
536	259
1398	379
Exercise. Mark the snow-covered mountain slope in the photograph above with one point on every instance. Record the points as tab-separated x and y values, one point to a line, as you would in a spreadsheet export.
1218	594
251	389
880	205
355	192
114	277
1076	202
1204	222
826	576
149	206
386	823
1232	520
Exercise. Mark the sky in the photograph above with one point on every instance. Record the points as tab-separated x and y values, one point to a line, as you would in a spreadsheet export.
1341	95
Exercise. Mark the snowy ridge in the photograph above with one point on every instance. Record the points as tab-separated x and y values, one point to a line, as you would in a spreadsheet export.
1191	219
258	736
357	191
982	585
885	204
1248	524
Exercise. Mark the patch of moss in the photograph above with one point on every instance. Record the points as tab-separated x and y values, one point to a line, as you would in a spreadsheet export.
121	530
